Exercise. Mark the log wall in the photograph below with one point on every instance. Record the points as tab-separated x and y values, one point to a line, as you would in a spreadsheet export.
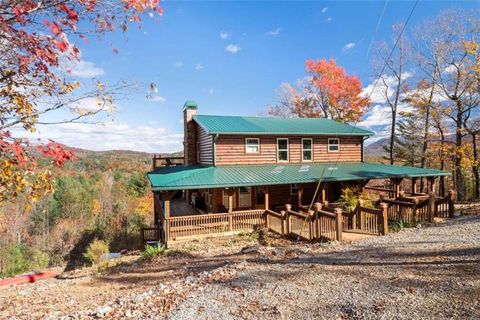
231	150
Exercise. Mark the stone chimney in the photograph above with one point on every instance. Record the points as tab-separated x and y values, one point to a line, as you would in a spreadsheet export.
190	108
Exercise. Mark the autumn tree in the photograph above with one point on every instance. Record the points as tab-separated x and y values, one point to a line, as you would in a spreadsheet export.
36	36
422	100
327	92
443	56
390	65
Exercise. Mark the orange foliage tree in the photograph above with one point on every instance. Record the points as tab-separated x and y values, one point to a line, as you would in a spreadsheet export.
327	92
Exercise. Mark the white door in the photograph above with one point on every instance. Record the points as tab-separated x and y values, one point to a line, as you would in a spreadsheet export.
245	198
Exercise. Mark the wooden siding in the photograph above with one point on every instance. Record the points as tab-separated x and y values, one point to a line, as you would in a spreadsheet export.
205	146
231	150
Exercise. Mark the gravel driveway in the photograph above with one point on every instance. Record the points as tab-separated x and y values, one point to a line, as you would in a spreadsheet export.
427	273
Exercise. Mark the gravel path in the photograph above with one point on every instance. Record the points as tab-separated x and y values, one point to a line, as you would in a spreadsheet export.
427	273
421	273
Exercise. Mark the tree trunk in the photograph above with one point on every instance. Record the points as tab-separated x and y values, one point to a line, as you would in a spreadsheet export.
475	170
392	135
442	163
458	153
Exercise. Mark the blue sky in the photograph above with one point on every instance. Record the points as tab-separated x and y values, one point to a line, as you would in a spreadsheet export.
228	56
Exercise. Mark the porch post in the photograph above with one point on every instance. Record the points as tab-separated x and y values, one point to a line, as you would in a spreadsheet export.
414	186
324	193
396	186
431	184
166	209
230	193
451	203
267	198
299	196
431	206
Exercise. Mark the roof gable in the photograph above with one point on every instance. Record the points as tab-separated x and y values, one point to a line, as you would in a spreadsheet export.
276	125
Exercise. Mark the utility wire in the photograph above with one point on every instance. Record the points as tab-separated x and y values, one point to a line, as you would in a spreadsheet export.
355	126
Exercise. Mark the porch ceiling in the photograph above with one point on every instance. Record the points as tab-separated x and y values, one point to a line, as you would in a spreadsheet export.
205	177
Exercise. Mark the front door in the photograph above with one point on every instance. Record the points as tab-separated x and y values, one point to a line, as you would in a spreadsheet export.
245	198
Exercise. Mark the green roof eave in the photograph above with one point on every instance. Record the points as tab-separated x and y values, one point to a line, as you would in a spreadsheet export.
291	133
205	177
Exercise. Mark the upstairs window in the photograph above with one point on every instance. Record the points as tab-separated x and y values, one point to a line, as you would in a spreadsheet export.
307	150
333	145
252	145
282	150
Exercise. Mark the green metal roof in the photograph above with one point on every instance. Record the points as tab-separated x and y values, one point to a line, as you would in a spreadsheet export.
276	125
200	177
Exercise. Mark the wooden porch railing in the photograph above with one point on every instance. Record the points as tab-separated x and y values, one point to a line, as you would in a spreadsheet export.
420	208
366	220
307	224
215	223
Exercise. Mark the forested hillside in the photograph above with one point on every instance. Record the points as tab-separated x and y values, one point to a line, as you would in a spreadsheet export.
97	195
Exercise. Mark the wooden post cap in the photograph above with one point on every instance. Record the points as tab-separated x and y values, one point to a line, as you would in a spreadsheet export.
383	205
318	206
360	202
288	207
415	200
338	210
325	203
311	213
283	213
401	194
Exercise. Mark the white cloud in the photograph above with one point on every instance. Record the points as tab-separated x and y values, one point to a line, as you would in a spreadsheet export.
178	64
82	69
111	136
158	99
376	89
91	104
224	35
198	66
232	48
381	115
324	9
274	33
348	46
328	20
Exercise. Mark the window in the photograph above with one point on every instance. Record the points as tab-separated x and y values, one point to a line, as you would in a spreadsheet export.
307	150
252	145
333	145
282	150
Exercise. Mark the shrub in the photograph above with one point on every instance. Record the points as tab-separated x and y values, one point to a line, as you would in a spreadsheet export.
350	197
17	258
38	259
95	250
14	259
152	251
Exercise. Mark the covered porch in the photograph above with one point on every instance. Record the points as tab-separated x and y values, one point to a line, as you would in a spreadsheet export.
196	201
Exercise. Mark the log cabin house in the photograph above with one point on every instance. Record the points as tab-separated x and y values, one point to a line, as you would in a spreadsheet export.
238	171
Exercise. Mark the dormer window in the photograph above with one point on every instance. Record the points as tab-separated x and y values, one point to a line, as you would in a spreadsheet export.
282	149
252	145
333	145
